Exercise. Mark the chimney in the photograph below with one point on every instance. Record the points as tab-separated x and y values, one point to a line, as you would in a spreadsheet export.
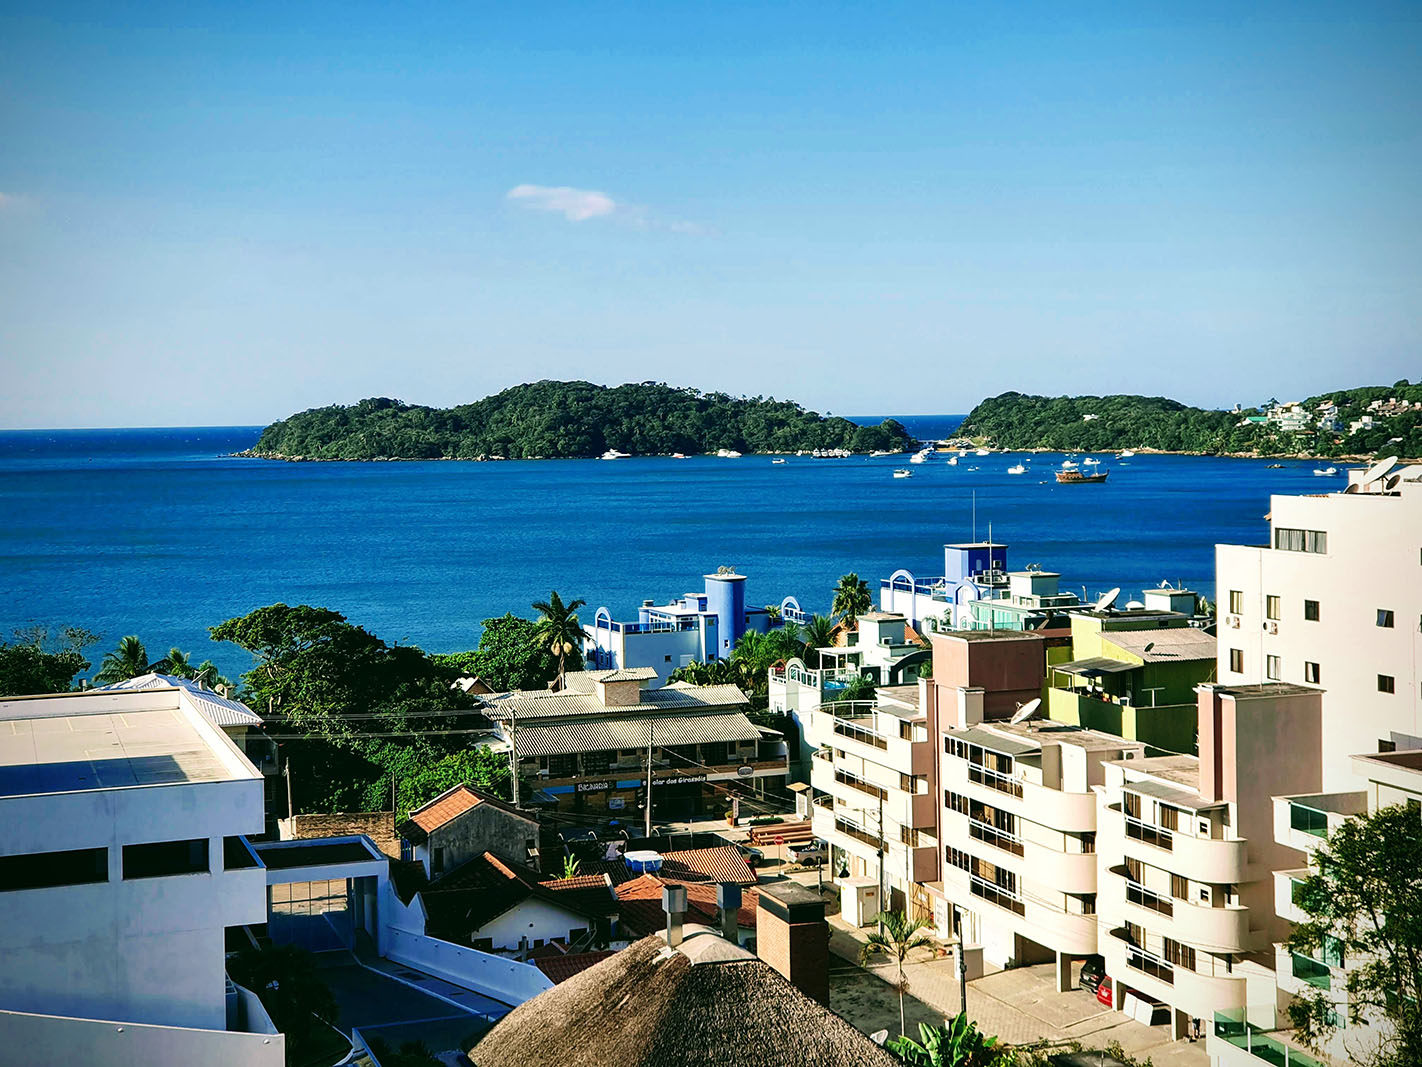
960	707
791	935
728	899
674	904
1215	744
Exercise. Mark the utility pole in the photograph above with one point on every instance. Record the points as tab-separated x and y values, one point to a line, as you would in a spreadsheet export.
647	830
962	961
513	752
286	771
881	863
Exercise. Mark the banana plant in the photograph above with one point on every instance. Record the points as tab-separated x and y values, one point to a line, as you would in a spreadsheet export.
957	1043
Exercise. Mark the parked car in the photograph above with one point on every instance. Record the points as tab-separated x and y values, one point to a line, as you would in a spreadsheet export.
1103	992
809	854
1092	971
754	857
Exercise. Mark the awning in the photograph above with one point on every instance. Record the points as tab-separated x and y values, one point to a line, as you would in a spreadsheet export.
605	735
1094	665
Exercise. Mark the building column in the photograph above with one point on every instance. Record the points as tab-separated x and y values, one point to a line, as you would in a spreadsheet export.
1063	973
1179	1024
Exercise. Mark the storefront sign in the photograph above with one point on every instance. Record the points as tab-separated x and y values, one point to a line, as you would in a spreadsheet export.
681	779
616	803
593	787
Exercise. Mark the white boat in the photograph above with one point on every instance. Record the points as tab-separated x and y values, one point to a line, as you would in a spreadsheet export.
727	453
1323	472
612	453
678	455
952	461
1091	462
777	461
831	453
983	452
1018	469
1068	465
919	457
1126	453
903	472
884	452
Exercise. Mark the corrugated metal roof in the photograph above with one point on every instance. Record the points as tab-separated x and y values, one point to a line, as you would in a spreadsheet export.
533	705
1183	643
603	735
216	708
1095	665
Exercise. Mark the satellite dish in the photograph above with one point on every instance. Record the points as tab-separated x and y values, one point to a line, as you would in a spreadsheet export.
1165	583
1027	710
1378	469
1107	599
1149	645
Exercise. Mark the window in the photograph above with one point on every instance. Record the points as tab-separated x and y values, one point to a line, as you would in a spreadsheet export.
1236	602
1386	684
437	860
1236	660
1179	887
484	944
1386	746
1088	841
1310	610
1300	540
1180	955
1271	668
1311	673
164	858
44	870
1271	607
1169	817
1385	618
666	659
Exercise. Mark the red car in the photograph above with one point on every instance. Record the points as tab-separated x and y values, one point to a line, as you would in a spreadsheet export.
1103	992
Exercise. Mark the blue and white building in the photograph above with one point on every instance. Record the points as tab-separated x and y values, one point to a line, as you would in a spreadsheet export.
696	628
973	571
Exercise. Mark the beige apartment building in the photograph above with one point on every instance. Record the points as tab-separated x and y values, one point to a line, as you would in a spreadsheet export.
1334	601
1187	850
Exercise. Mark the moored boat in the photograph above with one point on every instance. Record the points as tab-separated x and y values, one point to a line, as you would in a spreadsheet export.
903	472
1075	477
612	453
1017	469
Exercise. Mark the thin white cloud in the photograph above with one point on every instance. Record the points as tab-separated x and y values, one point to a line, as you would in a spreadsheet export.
575	205
579	205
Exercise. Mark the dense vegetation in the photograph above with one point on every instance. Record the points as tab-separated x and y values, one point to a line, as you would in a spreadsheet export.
37	662
552	419
1061	423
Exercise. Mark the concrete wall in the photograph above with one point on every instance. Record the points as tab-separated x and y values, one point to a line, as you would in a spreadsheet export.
45	1040
484	828
1009	670
503	979
537	920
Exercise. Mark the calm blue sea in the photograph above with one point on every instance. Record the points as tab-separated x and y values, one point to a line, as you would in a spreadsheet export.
154	532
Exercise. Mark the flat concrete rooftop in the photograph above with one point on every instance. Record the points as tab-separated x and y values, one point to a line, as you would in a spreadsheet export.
114	750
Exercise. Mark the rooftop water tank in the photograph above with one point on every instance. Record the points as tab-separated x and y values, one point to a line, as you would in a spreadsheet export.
643	861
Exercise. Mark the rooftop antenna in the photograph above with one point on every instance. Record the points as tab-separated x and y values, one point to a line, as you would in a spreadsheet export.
1377	470
1107	599
1027	710
975	514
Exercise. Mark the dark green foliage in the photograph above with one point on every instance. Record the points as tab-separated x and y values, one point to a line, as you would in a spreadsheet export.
35	663
508	657
128	660
286	980
480	767
1019	421
851	597
558	630
958	1043
342	688
1365	904
551	419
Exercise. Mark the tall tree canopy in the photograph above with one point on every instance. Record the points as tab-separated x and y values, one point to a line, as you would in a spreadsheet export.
128	660
1364	906
559	630
36	662
851	597
510	656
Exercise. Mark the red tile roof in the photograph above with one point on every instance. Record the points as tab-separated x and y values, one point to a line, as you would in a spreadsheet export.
561	968
723	864
641	904
444	807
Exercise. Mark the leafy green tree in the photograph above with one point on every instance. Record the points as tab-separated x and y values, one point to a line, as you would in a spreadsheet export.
509	656
36	663
1364	905
480	767
958	1043
289	985
860	688
896	937
716	672
558	628
816	634
176	663
128	660
851	598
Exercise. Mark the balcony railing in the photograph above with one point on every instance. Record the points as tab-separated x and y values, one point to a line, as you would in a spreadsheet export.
1149	833
860	734
995	894
1149	963
849	829
1232	1027
1309	820
994	780
1307	969
1146	898
855	782
991	835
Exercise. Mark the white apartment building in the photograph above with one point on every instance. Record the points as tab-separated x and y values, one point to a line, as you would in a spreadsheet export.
1018	827
874	801
1187	850
1334	601
122	863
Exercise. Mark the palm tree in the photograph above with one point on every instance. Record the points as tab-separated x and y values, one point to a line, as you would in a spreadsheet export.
558	628
128	660
816	634
896	938
177	663
851	597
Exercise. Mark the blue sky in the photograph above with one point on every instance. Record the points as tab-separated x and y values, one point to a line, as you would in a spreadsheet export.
223	214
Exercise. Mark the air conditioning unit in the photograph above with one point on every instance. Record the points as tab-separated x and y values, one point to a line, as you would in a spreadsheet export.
1271	627
1232	621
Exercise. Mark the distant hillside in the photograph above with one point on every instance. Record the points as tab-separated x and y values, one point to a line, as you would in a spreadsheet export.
1108	423
550	419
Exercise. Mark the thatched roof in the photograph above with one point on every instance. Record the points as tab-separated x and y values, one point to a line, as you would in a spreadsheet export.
648	1006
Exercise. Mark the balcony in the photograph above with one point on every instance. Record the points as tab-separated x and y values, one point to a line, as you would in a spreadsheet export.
1233	1030
1142	897
995	894
1303	822
980	775
1311	971
1151	834
991	835
1208	859
1195	992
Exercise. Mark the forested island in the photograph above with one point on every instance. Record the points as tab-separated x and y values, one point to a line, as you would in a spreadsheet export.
1366	421
568	420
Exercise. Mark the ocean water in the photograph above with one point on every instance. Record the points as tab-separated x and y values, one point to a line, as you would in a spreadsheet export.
158	533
